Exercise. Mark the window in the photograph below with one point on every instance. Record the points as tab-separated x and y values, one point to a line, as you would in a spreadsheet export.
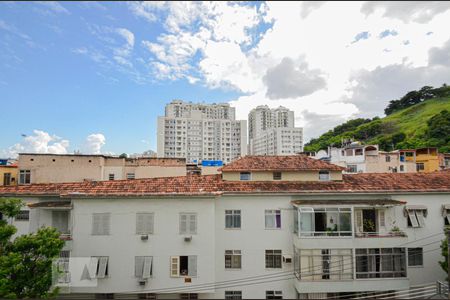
143	266
24	177
188	296
380	263
232	219
276	175
98	267
233	295
188	223
416	217
358	152
402	168
420	167
183	266
62	265
273	219
6	178
352	169
324	175
245	176
388	158
273	259
232	259
60	220
130	176
323	264
111	177
415	257
23	215
144	223
101	223
274	295
330	221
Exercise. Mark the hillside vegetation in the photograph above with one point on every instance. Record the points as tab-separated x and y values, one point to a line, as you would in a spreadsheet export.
425	122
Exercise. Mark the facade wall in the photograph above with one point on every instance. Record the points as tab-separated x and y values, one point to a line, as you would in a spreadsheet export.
285	176
14	174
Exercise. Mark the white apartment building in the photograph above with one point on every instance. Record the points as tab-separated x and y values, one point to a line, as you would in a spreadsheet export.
272	132
268	227
201	132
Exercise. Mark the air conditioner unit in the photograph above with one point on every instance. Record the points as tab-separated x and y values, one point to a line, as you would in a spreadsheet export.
142	282
144	237
287	259
188	238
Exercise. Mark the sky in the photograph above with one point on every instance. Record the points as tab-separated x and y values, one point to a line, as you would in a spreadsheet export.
93	77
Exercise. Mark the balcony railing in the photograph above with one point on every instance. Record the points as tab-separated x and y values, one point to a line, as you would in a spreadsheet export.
380	234
325	233
65	236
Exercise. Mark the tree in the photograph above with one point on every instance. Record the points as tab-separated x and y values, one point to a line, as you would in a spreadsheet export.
123	155
444	251
26	261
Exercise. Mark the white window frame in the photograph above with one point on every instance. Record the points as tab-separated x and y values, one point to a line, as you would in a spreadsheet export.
243	176
233	295
23	176
23	215
416	218
273	259
145	222
233	214
270	218
235	258
351	167
324	175
143	267
175	262
274	294
99	267
188	223
131	176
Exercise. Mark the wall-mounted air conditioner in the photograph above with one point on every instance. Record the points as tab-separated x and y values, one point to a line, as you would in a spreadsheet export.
142	282
188	238
287	258
144	237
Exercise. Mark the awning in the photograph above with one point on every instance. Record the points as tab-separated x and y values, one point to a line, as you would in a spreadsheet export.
415	207
383	202
445	206
51	204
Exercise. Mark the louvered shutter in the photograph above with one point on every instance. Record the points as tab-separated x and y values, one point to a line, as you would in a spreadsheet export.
92	268
420	219
138	266
147	270
96	224
174	266
412	218
192	223
144	223
106	224
381	218
183	223
359	220
192	266
102	265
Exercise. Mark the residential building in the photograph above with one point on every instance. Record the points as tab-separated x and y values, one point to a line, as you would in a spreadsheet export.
54	168
199	132
268	227
8	174
444	161
272	132
427	159
359	158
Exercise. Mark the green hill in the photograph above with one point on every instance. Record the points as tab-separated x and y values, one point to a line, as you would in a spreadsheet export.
426	124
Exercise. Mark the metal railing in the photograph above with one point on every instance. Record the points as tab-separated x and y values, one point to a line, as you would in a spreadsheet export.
380	234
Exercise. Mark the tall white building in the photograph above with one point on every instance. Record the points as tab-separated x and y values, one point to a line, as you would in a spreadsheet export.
268	227
272	132
201	132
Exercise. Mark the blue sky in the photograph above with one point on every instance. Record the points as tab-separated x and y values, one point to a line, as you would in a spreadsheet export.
95	76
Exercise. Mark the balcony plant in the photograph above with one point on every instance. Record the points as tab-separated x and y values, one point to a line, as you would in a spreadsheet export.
368	226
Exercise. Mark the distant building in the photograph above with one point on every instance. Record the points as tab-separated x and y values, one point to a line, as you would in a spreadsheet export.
199	132
8	174
444	161
54	168
272	132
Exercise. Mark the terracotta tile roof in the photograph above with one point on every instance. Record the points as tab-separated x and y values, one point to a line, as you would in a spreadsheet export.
211	185
279	163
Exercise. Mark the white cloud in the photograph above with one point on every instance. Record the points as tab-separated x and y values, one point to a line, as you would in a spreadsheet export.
54	6
94	143
39	142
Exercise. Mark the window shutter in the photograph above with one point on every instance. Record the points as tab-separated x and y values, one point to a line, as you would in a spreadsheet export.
138	266
193	223
174	266
102	264
381	218
183	224
144	223
149	223
105	224
420	219
412	218
192	266
359	220
147	270
95	224
93	263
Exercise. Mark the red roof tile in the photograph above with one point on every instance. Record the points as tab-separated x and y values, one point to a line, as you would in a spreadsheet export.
279	163
197	185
